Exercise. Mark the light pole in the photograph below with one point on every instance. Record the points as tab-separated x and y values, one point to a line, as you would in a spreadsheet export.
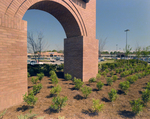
126	37
116	50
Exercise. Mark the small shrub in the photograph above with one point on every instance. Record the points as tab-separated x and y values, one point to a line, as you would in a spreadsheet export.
34	80
97	107
86	91
37	88
28	74
136	105
104	73
112	95
106	70
146	96
98	76
109	81
68	76
100	85
59	117
122	74
30	99
78	83
120	70
55	90
26	116
2	114
130	79
148	86
52	73
117	71
92	80
111	73
124	86
54	80
58	103
40	76
112	66
104	66
115	78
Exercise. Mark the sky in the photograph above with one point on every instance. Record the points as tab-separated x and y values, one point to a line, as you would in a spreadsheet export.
112	18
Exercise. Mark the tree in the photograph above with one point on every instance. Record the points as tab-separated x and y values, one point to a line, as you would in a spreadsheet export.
36	45
54	50
101	45
145	51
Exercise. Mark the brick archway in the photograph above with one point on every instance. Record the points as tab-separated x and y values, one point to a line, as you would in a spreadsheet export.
80	47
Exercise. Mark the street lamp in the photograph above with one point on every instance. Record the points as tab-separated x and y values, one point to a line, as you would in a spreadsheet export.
126	37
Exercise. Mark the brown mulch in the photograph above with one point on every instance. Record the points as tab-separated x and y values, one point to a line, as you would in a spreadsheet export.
79	108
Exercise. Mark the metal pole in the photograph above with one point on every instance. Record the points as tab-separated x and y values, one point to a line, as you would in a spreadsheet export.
126	37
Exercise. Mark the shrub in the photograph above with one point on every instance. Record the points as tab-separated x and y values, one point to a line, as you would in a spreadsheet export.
104	66
117	71
26	116
98	76
34	80
2	114
28	74
111	73
135	77
59	117
58	103
115	78
112	95
92	80
68	76
86	91
130	79
146	96
99	71
52	73
109	81
148	86
120	70
55	90
30	99
104	73
37	88
78	83
97	107
54	79
40	76
100	85
124	69
136	105
122	74
106	70
112	66
124	86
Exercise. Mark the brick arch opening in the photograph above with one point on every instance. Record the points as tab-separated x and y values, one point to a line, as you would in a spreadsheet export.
80	47
62	14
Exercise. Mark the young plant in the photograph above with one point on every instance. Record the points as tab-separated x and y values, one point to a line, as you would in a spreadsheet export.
30	99
130	79
78	83
59	117
148	86
117	71
68	76
106	70
54	79
40	76
26	116
2	114
112	95
92	80
55	90
109	81
111	73
104	73
52	73
58	103
100	85
97	107
86	91
146	96
34	80
122	74
115	78
98	76
136	105
37	88
124	86
28	74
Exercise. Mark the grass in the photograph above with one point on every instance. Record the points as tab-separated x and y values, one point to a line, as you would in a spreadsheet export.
106	61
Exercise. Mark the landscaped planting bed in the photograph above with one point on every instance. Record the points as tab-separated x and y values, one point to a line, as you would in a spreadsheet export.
79	101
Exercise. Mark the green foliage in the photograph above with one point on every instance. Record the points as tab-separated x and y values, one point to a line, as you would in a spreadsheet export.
40	76
55	90
112	66
59	117
124	86
37	88
98	76
92	80
104	66
30	99
131	79
54	79
78	83
3	113
112	95
146	96
136	105
120	70
86	91
100	85
109	81
148	86
106	70
115	78
68	76
26	116
122	74
58	103
52	73
34	80
117	71
28	74
104	73
111	73
97	107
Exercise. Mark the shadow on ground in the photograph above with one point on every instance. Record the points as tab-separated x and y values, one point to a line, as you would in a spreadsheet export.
126	114
89	112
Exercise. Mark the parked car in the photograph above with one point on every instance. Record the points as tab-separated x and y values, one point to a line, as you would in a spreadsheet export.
100	59
33	62
61	59
53	60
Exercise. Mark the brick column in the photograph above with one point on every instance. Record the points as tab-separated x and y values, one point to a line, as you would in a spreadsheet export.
13	62
81	57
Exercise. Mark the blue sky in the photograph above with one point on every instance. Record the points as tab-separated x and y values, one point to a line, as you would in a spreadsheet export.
113	17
